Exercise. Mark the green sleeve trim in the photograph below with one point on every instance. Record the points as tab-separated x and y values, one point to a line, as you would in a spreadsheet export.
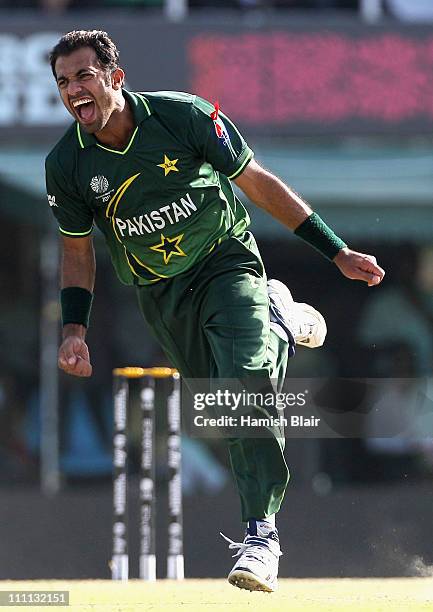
63	231
315	231
246	161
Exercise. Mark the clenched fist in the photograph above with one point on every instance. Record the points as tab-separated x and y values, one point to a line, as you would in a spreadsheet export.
358	266
74	356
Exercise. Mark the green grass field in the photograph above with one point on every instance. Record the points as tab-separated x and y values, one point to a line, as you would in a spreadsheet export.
368	595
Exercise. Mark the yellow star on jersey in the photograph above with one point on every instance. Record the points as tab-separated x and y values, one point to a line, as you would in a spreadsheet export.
169	247
169	165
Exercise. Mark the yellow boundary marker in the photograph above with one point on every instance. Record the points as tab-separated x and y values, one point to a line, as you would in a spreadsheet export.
156	372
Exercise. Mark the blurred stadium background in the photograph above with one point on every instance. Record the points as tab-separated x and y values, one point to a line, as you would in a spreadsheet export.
336	97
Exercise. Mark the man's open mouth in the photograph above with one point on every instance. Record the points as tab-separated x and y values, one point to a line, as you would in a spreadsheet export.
85	109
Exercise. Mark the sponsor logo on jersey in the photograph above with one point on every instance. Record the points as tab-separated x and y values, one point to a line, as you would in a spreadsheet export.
99	184
52	200
157	219
220	128
169	165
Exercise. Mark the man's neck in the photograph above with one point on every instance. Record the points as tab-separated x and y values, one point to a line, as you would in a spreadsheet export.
119	129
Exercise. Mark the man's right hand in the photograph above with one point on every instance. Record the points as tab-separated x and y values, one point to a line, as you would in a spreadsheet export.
74	357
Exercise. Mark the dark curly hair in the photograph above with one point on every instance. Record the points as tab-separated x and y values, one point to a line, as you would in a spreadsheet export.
105	49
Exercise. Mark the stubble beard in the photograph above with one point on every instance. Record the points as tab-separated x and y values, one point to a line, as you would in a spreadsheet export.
105	115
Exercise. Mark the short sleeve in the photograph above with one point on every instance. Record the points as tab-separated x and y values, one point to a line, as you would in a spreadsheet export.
217	139
74	216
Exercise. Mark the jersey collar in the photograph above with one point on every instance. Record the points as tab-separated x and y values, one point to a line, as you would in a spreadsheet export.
140	107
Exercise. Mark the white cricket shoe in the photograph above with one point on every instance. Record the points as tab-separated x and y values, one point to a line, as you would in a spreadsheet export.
257	566
305	324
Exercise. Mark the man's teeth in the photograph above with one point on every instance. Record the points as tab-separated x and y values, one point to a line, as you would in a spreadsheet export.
82	101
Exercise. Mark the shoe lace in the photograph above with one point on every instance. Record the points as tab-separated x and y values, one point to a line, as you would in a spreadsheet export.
232	544
243	546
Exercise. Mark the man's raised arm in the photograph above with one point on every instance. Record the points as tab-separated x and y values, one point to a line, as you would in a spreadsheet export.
77	281
271	194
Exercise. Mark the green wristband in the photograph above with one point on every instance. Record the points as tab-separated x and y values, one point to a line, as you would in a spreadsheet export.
315	231
76	304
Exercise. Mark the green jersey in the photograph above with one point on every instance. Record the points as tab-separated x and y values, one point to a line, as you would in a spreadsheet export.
163	203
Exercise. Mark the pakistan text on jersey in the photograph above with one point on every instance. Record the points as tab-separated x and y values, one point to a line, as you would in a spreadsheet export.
170	214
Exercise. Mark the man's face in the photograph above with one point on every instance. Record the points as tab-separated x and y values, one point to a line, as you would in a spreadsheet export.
87	90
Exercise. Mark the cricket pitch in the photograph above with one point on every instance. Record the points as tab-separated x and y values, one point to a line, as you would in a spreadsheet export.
306	595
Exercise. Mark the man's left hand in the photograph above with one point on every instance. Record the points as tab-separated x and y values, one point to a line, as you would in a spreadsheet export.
358	266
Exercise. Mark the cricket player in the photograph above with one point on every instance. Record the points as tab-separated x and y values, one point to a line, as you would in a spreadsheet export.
153	171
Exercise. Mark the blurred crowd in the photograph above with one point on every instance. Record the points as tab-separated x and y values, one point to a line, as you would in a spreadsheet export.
370	10
62	5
